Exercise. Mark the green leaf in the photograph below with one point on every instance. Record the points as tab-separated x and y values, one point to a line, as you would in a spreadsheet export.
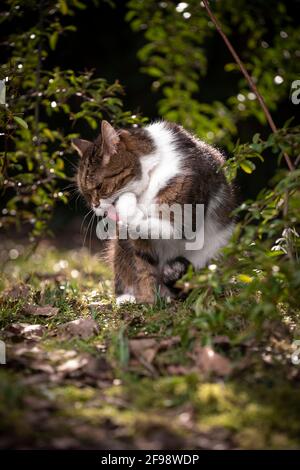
49	134
154	72
247	166
53	40
21	122
257	147
230	67
245	278
255	138
63	7
273	254
29	164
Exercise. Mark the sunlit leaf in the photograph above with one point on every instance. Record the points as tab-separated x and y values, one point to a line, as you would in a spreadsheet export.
245	278
247	166
21	122
53	40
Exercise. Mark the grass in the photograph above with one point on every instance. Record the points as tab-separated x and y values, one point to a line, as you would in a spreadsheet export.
158	397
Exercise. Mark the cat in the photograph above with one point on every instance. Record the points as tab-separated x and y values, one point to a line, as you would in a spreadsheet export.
160	164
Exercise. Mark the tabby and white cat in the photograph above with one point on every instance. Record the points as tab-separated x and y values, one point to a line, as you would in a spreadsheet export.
159	164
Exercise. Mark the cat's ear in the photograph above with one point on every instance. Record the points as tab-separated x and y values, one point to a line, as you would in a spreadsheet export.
80	145
110	140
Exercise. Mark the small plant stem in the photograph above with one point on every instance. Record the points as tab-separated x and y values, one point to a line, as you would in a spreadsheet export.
247	76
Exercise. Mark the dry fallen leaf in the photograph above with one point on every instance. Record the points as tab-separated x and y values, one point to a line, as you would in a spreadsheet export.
145	348
36	403
17	292
82	327
221	339
207	360
42	367
169	342
73	364
97	365
58	355
174	369
26	330
24	349
45	311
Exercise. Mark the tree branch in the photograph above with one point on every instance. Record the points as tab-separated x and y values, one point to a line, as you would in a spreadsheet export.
247	76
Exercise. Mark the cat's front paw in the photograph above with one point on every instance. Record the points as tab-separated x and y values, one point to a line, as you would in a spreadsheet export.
128	211
126	207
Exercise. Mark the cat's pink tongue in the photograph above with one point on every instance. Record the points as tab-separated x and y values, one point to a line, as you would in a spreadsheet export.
112	214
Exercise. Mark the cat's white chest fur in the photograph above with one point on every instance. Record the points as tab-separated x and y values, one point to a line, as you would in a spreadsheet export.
162	165
158	169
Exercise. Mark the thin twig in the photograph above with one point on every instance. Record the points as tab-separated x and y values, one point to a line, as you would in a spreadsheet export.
247	76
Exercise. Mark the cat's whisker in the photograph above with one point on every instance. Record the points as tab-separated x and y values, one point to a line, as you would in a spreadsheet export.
82	223
73	193
91	230
87	230
71	190
71	185
72	164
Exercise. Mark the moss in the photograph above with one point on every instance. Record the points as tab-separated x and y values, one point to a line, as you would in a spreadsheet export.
12	411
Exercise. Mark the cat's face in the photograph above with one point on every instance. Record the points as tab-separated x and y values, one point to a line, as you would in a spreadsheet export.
107	165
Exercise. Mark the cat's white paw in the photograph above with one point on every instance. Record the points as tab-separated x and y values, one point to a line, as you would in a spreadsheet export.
125	299
126	206
129	212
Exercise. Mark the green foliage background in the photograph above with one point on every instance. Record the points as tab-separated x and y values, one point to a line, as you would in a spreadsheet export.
35	149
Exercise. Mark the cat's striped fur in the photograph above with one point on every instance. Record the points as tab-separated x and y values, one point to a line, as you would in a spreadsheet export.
159	164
